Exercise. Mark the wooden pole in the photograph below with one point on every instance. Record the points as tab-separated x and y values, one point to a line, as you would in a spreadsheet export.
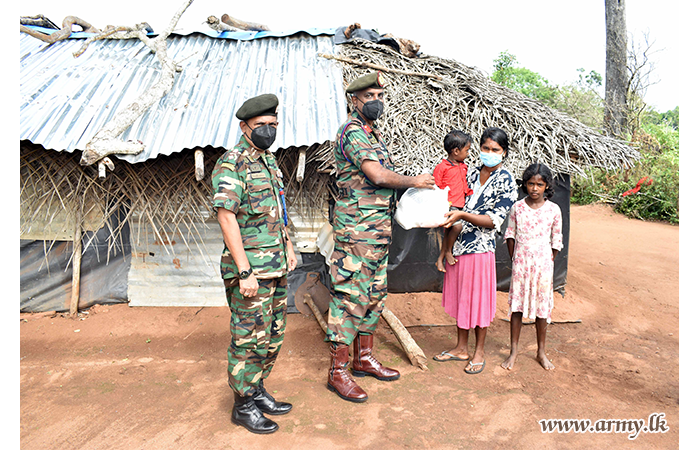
77	258
199	165
414	352
301	166
317	313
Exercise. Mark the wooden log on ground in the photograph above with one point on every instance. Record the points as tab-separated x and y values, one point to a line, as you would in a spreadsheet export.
317	313
413	351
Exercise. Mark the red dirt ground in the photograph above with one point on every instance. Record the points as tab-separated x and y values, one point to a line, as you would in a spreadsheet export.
154	378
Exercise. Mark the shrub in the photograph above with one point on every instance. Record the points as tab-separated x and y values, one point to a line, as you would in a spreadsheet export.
647	191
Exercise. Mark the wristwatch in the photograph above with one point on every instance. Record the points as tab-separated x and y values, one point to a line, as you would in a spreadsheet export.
244	274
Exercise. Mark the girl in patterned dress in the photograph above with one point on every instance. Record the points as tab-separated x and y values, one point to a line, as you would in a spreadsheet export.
534	238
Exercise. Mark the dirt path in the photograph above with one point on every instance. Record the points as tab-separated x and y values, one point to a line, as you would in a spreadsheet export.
154	378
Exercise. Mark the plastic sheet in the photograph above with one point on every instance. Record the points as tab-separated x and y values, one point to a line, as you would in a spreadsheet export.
46	275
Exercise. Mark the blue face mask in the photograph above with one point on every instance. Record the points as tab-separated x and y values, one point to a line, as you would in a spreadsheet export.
490	159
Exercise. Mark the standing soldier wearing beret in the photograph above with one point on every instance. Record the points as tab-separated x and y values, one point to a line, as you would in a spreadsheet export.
249	202
362	233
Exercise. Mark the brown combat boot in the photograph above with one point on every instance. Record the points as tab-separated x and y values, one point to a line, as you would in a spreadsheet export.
363	363
339	379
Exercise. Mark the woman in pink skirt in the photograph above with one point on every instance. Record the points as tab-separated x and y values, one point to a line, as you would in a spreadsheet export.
469	288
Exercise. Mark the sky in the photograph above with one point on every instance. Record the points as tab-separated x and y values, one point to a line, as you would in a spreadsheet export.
551	37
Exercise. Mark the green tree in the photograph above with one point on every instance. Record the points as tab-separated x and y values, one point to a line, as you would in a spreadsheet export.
520	79
670	118
581	100
649	190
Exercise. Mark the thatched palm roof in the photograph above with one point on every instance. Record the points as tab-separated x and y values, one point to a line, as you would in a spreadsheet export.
421	110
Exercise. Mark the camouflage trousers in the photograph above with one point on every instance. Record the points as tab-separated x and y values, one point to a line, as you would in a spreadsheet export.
257	330
358	274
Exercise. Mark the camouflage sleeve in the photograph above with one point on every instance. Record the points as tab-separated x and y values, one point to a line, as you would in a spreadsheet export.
228	185
357	146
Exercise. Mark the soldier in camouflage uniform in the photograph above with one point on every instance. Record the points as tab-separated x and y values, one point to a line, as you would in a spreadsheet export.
362	233
249	201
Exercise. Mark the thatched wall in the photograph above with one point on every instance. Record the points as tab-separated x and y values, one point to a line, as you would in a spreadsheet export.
157	195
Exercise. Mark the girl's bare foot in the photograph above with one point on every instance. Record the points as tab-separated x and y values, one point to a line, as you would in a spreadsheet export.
509	363
544	362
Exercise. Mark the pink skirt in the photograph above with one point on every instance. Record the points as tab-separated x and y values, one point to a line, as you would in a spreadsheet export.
469	290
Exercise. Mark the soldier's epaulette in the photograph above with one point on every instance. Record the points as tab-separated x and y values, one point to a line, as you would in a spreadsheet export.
356	125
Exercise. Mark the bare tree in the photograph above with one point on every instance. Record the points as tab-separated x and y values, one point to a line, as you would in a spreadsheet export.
616	78
640	67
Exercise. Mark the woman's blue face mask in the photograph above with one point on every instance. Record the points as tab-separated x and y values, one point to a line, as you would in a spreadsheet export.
491	159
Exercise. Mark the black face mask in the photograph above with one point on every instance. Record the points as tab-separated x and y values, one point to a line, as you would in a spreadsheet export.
263	136
373	109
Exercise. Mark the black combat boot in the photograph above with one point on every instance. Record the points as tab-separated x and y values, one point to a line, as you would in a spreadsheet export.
246	414
267	404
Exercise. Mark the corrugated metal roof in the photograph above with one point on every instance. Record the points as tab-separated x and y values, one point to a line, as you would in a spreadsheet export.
64	101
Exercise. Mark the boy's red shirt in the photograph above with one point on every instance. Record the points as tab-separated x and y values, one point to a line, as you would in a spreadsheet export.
453	174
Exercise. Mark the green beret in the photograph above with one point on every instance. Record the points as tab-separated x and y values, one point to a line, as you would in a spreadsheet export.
262	105
371	80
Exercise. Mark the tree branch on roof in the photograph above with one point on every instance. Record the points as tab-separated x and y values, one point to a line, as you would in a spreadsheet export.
379	67
63	33
106	141
139	31
228	23
39	20
242	24
216	25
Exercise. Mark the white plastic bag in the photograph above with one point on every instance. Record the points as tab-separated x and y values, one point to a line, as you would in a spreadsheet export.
422	208
324	242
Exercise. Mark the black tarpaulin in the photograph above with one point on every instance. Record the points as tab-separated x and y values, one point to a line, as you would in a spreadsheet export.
46	274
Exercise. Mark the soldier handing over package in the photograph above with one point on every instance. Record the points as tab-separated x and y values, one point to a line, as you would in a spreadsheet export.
249	200
362	234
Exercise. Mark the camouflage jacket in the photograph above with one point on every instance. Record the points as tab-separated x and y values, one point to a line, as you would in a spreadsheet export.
363	211
248	183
